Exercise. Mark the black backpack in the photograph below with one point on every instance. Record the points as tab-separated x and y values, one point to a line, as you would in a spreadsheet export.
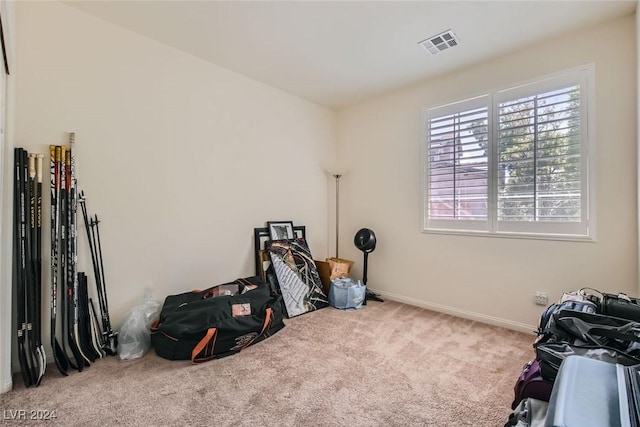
217	322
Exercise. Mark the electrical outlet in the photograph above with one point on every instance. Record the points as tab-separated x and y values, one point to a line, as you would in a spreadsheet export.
541	298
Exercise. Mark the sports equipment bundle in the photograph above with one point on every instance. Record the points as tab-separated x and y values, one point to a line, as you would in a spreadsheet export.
217	322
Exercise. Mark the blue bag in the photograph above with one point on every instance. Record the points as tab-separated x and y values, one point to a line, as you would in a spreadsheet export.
346	293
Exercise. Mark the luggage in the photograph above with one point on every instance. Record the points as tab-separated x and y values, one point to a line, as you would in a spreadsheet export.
530	412
217	322
531	384
616	305
551	355
620	305
577	327
583	323
586	306
590	392
571	332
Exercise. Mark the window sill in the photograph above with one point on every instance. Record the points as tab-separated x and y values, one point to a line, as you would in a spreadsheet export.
511	235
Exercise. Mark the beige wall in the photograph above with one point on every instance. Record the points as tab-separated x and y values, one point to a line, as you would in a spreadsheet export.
488	278
180	158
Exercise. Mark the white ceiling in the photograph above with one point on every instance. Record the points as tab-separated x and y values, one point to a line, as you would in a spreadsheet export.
337	53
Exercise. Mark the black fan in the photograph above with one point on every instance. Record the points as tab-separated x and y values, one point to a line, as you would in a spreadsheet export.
365	240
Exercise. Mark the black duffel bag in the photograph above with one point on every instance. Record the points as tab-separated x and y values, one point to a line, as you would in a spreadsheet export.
550	356
217	322
583	328
596	336
620	305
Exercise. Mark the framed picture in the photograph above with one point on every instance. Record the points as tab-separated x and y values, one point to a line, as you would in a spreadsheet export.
281	230
260	237
297	275
300	232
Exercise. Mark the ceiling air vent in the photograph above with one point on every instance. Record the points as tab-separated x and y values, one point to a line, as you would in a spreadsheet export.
440	42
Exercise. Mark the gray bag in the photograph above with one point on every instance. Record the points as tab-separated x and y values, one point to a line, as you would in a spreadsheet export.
346	293
596	336
530	412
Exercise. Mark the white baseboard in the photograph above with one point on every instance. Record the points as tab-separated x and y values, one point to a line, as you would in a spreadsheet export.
479	317
7	386
16	370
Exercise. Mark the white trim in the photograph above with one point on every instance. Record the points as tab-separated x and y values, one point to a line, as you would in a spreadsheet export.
549	228
425	150
6	196
492	209
478	317
545	84
478	226
518	235
551	76
454	107
590	164
6	248
638	142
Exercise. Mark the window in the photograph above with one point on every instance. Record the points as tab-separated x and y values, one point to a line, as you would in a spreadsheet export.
513	162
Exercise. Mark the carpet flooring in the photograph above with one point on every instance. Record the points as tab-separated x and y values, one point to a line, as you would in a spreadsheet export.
388	364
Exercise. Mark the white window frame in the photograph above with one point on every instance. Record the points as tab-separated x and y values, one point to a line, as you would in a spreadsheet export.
582	231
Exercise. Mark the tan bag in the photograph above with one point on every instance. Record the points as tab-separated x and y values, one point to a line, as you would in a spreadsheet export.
339	267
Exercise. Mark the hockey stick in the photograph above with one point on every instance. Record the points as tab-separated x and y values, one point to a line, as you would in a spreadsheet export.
71	279
33	306
84	327
43	357
96	333
73	240
19	270
28	268
64	250
59	355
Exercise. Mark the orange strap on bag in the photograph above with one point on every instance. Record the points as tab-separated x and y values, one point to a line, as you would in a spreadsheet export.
267	321
203	351
206	344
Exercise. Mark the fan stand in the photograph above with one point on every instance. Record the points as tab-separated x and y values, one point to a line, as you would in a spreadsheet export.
368	294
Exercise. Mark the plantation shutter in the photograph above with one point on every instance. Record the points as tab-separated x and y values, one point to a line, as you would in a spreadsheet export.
541	170
516	162
457	177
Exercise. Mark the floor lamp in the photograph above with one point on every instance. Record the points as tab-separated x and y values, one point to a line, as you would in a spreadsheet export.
337	177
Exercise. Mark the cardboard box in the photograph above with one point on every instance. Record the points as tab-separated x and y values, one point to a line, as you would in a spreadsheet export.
265	261
339	267
324	270
331	269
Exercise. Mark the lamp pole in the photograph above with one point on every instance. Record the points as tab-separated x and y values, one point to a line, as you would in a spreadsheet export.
337	177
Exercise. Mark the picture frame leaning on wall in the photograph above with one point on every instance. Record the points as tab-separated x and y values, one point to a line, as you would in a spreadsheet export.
260	236
281	230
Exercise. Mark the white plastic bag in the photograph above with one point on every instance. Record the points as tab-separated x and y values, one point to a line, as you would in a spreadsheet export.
134	339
